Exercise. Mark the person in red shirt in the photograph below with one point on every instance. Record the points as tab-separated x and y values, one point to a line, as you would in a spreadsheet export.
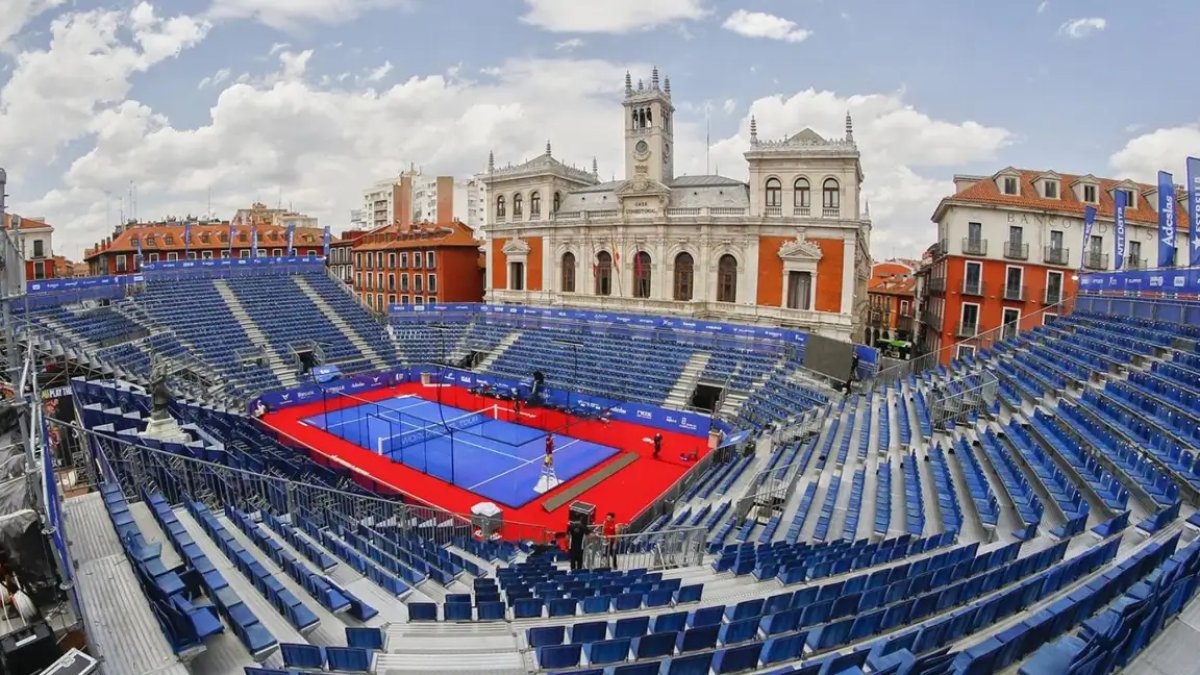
610	538
549	450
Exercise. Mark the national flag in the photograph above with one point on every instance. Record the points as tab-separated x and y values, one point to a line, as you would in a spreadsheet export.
1166	220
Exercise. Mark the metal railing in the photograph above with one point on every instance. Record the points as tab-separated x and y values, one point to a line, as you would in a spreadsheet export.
1056	255
966	329
665	549
1016	250
961	407
1133	262
937	284
1052	296
974	246
1015	292
1094	260
974	288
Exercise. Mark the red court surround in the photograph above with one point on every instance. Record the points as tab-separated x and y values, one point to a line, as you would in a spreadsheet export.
625	493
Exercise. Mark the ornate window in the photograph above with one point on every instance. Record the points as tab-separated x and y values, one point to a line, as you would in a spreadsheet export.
641	275
517	205
500	206
557	201
799	290
568	272
727	279
604	273
684	271
802	194
831	196
774	192
535	204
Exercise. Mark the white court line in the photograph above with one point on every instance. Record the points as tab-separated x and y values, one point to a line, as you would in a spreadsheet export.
481	447
523	465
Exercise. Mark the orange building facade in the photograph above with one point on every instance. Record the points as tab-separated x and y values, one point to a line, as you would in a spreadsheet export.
36	238
892	298
788	247
420	264
209	241
1010	247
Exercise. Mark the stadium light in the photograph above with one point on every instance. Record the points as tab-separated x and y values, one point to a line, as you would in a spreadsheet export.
574	345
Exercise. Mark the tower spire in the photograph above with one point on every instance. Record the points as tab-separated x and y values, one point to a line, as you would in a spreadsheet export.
753	130
547	147
491	161
667	85
628	84
849	128
595	167
654	78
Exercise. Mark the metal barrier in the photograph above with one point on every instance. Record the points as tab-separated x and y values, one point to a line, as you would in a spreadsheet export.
668	548
958	408
139	468
1153	309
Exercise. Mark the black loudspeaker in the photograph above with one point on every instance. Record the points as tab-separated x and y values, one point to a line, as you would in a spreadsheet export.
582	512
29	650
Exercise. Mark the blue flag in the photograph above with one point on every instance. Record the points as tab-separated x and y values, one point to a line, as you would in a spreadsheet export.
291	232
253	241
1119	222
187	238
1193	179
328	237
1089	221
1166	220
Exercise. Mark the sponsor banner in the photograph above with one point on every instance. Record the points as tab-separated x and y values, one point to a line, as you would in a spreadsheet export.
326	373
1193	197
312	391
1119	229
1169	281
81	283
232	263
1166	220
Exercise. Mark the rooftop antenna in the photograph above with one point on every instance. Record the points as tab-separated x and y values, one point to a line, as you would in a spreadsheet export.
208	213
707	140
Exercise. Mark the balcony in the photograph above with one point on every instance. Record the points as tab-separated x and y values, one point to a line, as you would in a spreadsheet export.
1095	260
1134	263
973	287
1016	250
802	211
774	210
974	246
940	249
831	212
1053	296
937	285
930	319
966	330
1056	256
1015	293
876	317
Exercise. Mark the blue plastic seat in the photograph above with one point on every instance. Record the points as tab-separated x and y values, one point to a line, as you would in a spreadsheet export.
364	638
349	659
655	645
302	656
607	651
559	656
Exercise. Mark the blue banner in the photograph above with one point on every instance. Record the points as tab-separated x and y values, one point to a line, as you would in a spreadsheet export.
254	241
1149	283
326	373
311	391
1119	226
187	238
1089	221
296	263
72	284
291	233
1193	186
327	238
1166	220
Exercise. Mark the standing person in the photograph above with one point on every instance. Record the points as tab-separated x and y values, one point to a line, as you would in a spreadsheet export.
549	449
610	538
657	444
576	532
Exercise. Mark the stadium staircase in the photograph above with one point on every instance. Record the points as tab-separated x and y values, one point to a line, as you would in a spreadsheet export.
498	351
287	375
680	395
352	335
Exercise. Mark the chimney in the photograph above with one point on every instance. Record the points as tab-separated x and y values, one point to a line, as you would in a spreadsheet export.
403	203
445	199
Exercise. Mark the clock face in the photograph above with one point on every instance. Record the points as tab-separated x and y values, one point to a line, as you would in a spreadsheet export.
642	147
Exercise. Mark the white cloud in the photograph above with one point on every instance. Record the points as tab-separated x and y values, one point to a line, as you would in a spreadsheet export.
17	13
897	143
277	47
214	80
377	74
52	95
1081	28
729	106
291	15
609	16
1041	8
763	25
568	45
1160	150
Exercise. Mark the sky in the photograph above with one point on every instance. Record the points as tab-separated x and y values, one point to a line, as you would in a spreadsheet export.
208	105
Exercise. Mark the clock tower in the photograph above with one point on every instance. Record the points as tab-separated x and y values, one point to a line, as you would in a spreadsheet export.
649	130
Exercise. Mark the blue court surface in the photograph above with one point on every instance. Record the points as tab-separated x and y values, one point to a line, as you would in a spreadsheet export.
474	450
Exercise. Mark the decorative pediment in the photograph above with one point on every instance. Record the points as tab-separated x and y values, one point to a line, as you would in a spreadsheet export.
800	250
516	247
642	187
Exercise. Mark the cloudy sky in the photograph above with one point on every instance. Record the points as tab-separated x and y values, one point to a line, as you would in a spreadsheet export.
308	101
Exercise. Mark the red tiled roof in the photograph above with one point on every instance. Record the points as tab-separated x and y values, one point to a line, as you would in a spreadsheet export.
25	223
896	285
421	235
154	237
985	191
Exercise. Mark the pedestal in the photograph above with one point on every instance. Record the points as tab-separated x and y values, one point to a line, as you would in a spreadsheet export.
165	429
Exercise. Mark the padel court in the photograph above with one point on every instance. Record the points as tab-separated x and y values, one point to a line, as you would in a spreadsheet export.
479	450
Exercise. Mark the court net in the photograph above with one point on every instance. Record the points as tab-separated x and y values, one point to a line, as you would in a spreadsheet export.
388	444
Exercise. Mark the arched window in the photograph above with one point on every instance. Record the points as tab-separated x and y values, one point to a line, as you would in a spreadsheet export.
517	205
802	194
500	206
603	273
774	192
557	201
727	279
831	196
568	272
641	275
535	204
684	266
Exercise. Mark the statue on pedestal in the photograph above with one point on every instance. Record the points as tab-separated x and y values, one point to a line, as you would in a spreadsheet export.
160	395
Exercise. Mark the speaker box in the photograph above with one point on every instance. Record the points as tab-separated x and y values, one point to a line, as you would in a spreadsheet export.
29	650
582	512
